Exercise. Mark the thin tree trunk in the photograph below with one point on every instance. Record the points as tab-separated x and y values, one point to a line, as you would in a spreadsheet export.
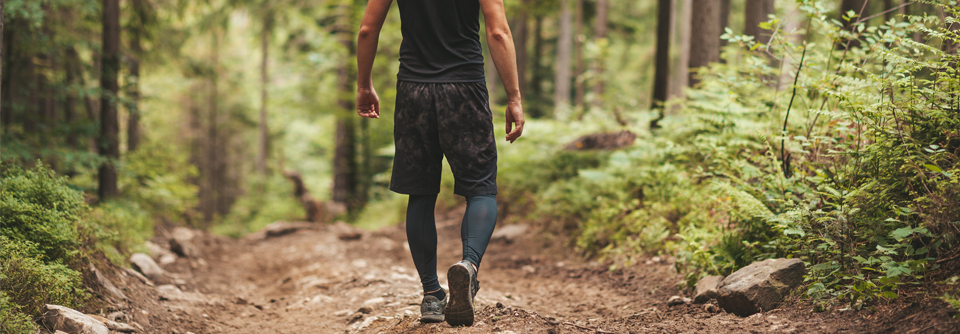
264	145
6	52
109	131
561	93
2	50
578	57
213	149
681	76
755	12
705	37
536	68
521	33
887	5
662	67
599	32
345	155
133	121
724	20
70	100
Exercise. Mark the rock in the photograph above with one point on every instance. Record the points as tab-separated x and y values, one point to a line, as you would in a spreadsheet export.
509	233
760	286
106	284
144	263
350	236
279	228
162	255
677	300
365	310
181	242
65	319
113	325
170	292
138	275
711	308
707	289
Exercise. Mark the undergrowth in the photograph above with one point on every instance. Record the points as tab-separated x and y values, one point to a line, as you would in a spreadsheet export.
853	169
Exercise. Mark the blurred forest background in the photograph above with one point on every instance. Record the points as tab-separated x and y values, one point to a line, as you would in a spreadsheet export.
827	130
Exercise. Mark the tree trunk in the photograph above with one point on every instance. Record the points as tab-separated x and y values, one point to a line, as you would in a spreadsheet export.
212	156
6	53
887	5
264	137
561	93
520	34
599	32
757	11
578	57
862	8
133	121
724	20
705	37
345	155
537	101
109	131
2	50
662	67
70	100
681	76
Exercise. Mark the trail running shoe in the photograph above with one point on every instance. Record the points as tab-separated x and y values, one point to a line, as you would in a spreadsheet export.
462	279
431	309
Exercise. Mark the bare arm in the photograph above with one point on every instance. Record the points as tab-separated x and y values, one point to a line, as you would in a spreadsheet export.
500	42
368	103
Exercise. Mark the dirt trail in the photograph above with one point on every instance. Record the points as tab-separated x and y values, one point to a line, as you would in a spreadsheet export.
337	279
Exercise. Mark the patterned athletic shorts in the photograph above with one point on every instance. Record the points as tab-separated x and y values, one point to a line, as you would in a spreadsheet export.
433	120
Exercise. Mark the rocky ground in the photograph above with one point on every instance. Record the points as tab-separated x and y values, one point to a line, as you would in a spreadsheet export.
305	278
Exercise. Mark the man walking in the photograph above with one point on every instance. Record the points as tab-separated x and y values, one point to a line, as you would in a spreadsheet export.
442	110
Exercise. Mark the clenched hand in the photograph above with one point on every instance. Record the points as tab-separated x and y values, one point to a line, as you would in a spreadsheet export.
368	103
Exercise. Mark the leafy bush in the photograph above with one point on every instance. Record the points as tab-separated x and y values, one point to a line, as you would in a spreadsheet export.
39	238
12	320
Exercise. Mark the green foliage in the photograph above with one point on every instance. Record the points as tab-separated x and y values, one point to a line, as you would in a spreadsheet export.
39	208
31	281
12	320
857	173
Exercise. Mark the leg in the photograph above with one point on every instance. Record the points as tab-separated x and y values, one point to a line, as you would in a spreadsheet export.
477	227
422	238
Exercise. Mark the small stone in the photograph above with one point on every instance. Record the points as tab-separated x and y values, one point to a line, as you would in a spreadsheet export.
138	275
508	233
365	310
170	292
761	286
162	255
350	236
553	321
145	265
707	289
57	317
528	268
675	300
240	301
711	308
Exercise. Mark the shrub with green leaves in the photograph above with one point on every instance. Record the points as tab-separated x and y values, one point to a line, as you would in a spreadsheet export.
12	320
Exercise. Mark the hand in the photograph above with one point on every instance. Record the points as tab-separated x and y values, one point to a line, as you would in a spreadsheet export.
514	117
368	103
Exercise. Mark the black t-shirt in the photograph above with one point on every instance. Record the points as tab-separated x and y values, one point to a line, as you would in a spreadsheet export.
441	41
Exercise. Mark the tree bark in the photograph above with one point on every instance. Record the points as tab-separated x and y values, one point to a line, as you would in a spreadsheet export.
212	154
757	11
2	50
578	57
109	131
264	132
705	37
72	70
662	67
561	93
599	32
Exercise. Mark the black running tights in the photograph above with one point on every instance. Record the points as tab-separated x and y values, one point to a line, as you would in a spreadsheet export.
475	231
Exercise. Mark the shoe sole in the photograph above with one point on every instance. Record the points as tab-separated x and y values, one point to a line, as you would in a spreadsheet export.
459	310
431	318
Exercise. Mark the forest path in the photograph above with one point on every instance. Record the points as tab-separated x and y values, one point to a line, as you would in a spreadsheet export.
338	279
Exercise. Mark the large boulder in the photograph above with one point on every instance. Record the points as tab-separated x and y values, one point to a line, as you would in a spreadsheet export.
761	286
707	289
144	263
59	318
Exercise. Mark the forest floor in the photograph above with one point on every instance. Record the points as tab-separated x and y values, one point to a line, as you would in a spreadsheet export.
338	279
